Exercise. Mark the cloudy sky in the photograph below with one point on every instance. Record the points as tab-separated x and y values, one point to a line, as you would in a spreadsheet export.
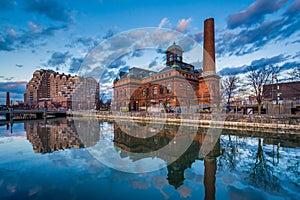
58	35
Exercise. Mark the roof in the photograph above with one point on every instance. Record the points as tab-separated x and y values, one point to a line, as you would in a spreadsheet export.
173	47
138	73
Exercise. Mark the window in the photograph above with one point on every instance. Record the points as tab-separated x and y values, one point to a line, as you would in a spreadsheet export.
155	90
144	92
125	92
161	89
168	88
188	87
181	86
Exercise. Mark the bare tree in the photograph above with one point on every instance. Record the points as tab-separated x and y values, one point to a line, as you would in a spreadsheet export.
295	73
257	77
230	84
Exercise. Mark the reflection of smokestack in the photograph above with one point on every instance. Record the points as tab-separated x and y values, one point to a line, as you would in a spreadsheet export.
209	46
210	168
7	99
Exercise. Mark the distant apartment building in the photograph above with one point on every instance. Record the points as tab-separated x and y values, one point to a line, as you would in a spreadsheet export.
282	98
177	85
55	90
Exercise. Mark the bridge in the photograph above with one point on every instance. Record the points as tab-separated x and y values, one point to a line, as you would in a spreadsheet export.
39	114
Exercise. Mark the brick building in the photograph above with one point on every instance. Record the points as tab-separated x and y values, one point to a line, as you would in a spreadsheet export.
282	98
55	90
177	85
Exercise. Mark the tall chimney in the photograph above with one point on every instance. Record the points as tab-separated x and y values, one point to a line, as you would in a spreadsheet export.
209	66
7	99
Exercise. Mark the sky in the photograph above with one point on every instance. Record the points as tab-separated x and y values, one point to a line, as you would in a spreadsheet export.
58	35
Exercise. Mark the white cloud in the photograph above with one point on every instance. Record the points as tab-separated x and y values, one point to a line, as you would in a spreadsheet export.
33	27
183	25
163	22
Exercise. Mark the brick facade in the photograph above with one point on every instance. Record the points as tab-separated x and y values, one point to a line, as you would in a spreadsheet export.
177	86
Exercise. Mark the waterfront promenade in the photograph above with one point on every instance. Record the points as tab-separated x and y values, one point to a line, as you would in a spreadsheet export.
273	123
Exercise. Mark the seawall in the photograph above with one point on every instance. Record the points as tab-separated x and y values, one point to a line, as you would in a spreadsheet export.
281	124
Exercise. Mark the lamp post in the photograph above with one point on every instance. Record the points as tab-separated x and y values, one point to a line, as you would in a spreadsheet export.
277	95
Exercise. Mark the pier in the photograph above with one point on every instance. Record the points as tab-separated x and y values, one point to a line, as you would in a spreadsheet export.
34	114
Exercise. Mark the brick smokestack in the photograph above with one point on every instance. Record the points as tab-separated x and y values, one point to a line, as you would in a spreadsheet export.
7	99
209	66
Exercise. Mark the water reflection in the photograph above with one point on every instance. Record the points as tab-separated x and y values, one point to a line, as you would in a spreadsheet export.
240	164
52	135
176	170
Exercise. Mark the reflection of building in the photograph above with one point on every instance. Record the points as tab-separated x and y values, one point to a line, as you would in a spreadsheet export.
60	90
178	84
282	98
52	135
161	139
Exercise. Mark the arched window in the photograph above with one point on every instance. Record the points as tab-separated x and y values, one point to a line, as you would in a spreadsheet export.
144	92
161	89
155	90
188	87
168	88
181	86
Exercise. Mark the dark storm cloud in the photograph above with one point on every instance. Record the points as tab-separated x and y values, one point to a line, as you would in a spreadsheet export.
248	40
7	4
260	63
117	63
109	33
257	64
11	39
289	65
75	65
137	53
58	59
293	10
124	69
153	63
255	13
53	9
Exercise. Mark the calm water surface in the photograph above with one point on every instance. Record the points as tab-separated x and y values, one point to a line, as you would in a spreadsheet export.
56	159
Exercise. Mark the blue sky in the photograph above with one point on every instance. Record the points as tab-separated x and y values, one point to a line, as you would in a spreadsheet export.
57	35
